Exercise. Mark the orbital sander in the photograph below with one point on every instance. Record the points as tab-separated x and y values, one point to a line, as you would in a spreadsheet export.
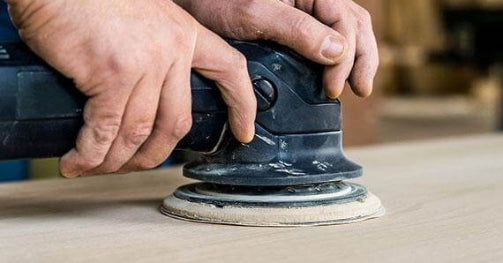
293	173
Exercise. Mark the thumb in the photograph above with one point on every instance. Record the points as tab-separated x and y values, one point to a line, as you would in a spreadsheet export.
300	31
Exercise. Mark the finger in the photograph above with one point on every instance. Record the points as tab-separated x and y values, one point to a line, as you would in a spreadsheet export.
218	61
298	30
137	125
366	58
172	123
102	121
334	77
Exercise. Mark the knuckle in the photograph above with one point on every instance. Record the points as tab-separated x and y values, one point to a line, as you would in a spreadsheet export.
250	9
304	27
364	17
121	63
181	126
239	61
136	136
105	130
180	33
239	58
234	60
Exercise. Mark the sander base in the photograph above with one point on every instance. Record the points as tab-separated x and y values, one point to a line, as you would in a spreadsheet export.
307	205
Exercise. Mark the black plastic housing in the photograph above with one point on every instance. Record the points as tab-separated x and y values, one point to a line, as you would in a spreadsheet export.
298	129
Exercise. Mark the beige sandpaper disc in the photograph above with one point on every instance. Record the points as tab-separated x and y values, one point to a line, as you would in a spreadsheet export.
364	208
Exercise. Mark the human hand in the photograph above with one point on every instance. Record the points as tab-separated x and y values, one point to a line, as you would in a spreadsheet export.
335	33
133	60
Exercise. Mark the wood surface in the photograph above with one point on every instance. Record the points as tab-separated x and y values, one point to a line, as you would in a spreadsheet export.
444	202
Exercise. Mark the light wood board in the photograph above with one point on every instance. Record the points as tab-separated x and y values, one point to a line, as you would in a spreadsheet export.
444	203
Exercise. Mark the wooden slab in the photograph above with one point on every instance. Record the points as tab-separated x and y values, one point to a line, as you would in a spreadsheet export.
444	202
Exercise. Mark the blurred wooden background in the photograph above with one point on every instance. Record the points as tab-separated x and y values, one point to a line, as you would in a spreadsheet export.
460	98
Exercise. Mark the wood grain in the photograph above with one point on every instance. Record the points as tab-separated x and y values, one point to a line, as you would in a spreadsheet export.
443	199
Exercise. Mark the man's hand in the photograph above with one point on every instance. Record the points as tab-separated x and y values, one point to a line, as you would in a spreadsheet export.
133	60
336	33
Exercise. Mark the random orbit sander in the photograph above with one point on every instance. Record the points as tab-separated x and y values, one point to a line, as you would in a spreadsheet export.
293	173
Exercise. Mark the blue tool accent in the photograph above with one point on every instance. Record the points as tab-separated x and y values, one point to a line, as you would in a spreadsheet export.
8	32
10	171
13	171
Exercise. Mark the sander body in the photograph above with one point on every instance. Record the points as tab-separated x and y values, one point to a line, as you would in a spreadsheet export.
293	173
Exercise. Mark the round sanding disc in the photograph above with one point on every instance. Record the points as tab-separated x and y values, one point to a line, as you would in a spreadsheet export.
324	204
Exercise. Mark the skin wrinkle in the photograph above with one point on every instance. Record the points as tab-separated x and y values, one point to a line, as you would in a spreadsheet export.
37	26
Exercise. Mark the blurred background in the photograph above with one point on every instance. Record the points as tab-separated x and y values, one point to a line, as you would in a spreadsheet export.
441	75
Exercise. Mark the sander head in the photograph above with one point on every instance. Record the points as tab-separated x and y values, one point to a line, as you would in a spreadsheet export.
307	205
293	172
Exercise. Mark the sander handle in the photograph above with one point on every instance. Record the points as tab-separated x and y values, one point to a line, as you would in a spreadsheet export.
41	110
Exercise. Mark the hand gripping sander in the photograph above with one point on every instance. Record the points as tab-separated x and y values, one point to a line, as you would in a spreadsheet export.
293	173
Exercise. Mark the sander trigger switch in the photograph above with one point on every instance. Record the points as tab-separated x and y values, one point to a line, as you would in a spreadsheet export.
265	92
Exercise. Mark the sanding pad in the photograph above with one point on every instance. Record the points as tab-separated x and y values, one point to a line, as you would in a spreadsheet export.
310	205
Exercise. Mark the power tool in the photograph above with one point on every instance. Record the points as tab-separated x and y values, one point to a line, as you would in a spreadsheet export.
293	173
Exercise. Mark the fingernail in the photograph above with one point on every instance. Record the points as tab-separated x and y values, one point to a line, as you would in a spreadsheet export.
334	92
332	48
69	174
331	94
65	169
